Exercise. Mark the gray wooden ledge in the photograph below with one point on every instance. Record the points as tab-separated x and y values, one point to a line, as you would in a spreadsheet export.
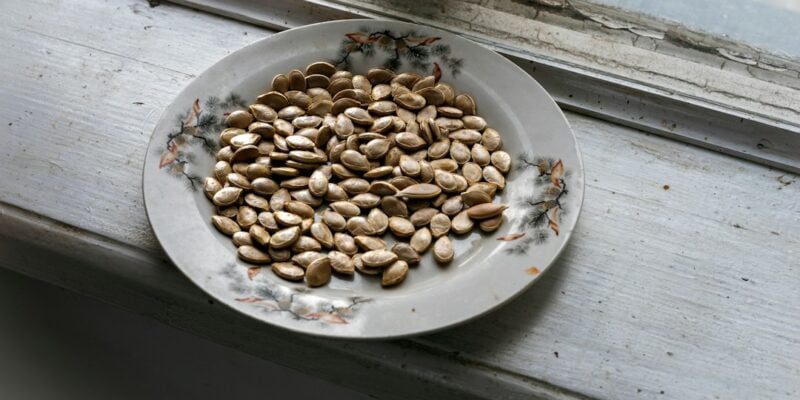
682	277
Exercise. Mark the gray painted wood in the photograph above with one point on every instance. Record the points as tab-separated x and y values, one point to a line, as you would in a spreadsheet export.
692	290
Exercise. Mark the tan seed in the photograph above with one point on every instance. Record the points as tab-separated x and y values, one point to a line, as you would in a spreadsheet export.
440	225
305	258
284	237
443	250
345	208
252	255
453	206
227	196
366	200
258	170
345	243
320	67
368	243
459	152
317	81
380	75
359	226
279	199
280	83
465	103
355	161
259	235
359	116
246	217
384	107
244	139
409	141
409	165
267	220
502	161
475	197
264	186
306	197
378	221
273	99
410	101
394	274
394	207
401	226
360	267
335	193
288	271
306	243
378	258
486	210
225	225
491	224
492	175
341	263
486	187
402	182
480	155
279	255
492	140
211	186
461	223
283	129
334	220
242	239
378	172
450	112
406	253
432	96
285	218
423	216
354	186
421	240
239	119
445	164
297	142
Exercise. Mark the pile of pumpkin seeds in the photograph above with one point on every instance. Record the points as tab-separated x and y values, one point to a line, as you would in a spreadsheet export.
383	152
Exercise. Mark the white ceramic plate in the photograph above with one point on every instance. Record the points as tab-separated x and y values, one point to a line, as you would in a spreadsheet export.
544	191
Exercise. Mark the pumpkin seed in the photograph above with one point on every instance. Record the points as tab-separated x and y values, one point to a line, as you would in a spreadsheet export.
306	243
493	175
359	226
299	182
280	83
239	119
211	186
406	253
345	208
409	141
279	199
366	200
284	237
345	243
459	152
358	115
305	258
355	161
465	103
297	80
342	172
461	223
282	128
409	165
354	185
288	271
453	206
378	172
262	113
341	262
259	235
242	239
267	220
466	136
367	243
258	170
440	225
227	196
378	221
245	153
297	142
378	258
394	274
273	99
410	101
335	193
320	67
306	197
320	107
317	81
285	218
334	220
502	161
252	255
402	182
475	197
443	250
491	224
421	240
342	104
246	217
432	96
439	149
381	92
401	227
360	267
449	124
486	210
446	180
264	186
450	112
486	187
380	75
279	255
305	226
423	216
225	225
492	140
221	171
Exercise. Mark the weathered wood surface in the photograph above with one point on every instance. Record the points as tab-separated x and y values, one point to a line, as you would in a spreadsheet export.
691	290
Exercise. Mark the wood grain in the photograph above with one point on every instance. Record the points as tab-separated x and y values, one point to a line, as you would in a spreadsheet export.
692	290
